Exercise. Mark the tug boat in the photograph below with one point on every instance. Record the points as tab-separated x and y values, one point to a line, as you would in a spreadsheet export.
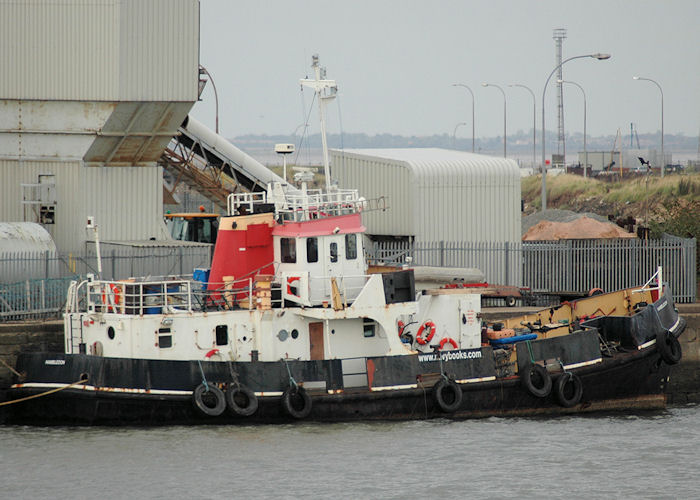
291	323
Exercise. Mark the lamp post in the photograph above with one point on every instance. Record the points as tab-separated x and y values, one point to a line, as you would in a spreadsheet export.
472	93
598	56
504	112
585	151
454	133
534	121
203	70
663	158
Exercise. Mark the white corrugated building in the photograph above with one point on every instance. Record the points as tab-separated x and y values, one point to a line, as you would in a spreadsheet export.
90	94
437	195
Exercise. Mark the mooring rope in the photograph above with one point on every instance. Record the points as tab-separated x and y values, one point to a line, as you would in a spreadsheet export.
292	382
44	393
10	368
204	379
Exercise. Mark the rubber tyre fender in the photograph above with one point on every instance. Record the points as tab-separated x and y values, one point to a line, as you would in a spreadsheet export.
201	406
669	347
532	372
568	389
292	395
442	389
510	301
244	410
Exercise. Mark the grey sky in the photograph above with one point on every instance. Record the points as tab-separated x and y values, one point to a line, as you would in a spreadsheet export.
395	61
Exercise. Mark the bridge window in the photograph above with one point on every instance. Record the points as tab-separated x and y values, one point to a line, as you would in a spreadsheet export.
369	327
221	335
334	252
311	249
164	341
288	250
350	246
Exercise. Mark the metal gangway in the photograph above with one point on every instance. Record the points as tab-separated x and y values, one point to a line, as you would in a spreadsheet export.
211	165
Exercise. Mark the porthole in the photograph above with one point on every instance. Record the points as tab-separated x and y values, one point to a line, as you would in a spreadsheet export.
282	335
110	332
295	333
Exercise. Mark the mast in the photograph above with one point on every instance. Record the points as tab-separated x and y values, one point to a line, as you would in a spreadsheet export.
326	90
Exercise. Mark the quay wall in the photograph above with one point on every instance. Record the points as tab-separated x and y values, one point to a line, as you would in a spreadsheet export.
48	336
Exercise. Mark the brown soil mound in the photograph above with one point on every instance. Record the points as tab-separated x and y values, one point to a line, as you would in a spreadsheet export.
581	228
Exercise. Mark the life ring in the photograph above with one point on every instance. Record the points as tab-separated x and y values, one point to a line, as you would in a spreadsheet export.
209	400
296	402
669	347
116	290
448	340
536	380
241	401
210	355
447	395
568	389
428	325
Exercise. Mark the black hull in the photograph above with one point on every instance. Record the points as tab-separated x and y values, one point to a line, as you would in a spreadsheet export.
633	380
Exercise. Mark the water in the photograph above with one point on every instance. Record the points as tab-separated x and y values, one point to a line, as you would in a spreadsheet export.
646	455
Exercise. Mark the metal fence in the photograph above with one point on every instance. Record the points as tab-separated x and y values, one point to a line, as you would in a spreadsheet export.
568	266
33	285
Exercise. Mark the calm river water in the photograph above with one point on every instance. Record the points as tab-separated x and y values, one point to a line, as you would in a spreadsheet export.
646	455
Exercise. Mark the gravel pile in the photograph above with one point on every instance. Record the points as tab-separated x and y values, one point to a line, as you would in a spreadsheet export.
555	215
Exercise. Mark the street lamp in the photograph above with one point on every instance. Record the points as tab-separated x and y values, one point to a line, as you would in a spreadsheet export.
534	121
203	71
598	56
472	93
454	134
504	112
585	151
663	158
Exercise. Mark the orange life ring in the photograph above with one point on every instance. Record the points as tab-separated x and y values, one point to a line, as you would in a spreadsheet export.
447	340
428	325
114	290
117	293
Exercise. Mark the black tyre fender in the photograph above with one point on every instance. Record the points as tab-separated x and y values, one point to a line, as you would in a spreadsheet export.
241	401
296	402
447	395
536	380
568	389
510	301
204	395
669	347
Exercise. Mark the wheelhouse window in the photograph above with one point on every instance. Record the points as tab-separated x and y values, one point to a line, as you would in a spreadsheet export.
288	250
165	339
369	327
221	335
334	252
311	249
350	246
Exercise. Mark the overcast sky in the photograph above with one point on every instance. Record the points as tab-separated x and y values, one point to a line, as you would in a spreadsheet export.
395	61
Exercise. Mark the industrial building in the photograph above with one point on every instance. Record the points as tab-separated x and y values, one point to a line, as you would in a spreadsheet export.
434	194
90	95
440	203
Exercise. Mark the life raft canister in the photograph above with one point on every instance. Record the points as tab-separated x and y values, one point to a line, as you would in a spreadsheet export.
448	340
428	326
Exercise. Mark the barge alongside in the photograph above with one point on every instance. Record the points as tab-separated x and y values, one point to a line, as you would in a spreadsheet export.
291	324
